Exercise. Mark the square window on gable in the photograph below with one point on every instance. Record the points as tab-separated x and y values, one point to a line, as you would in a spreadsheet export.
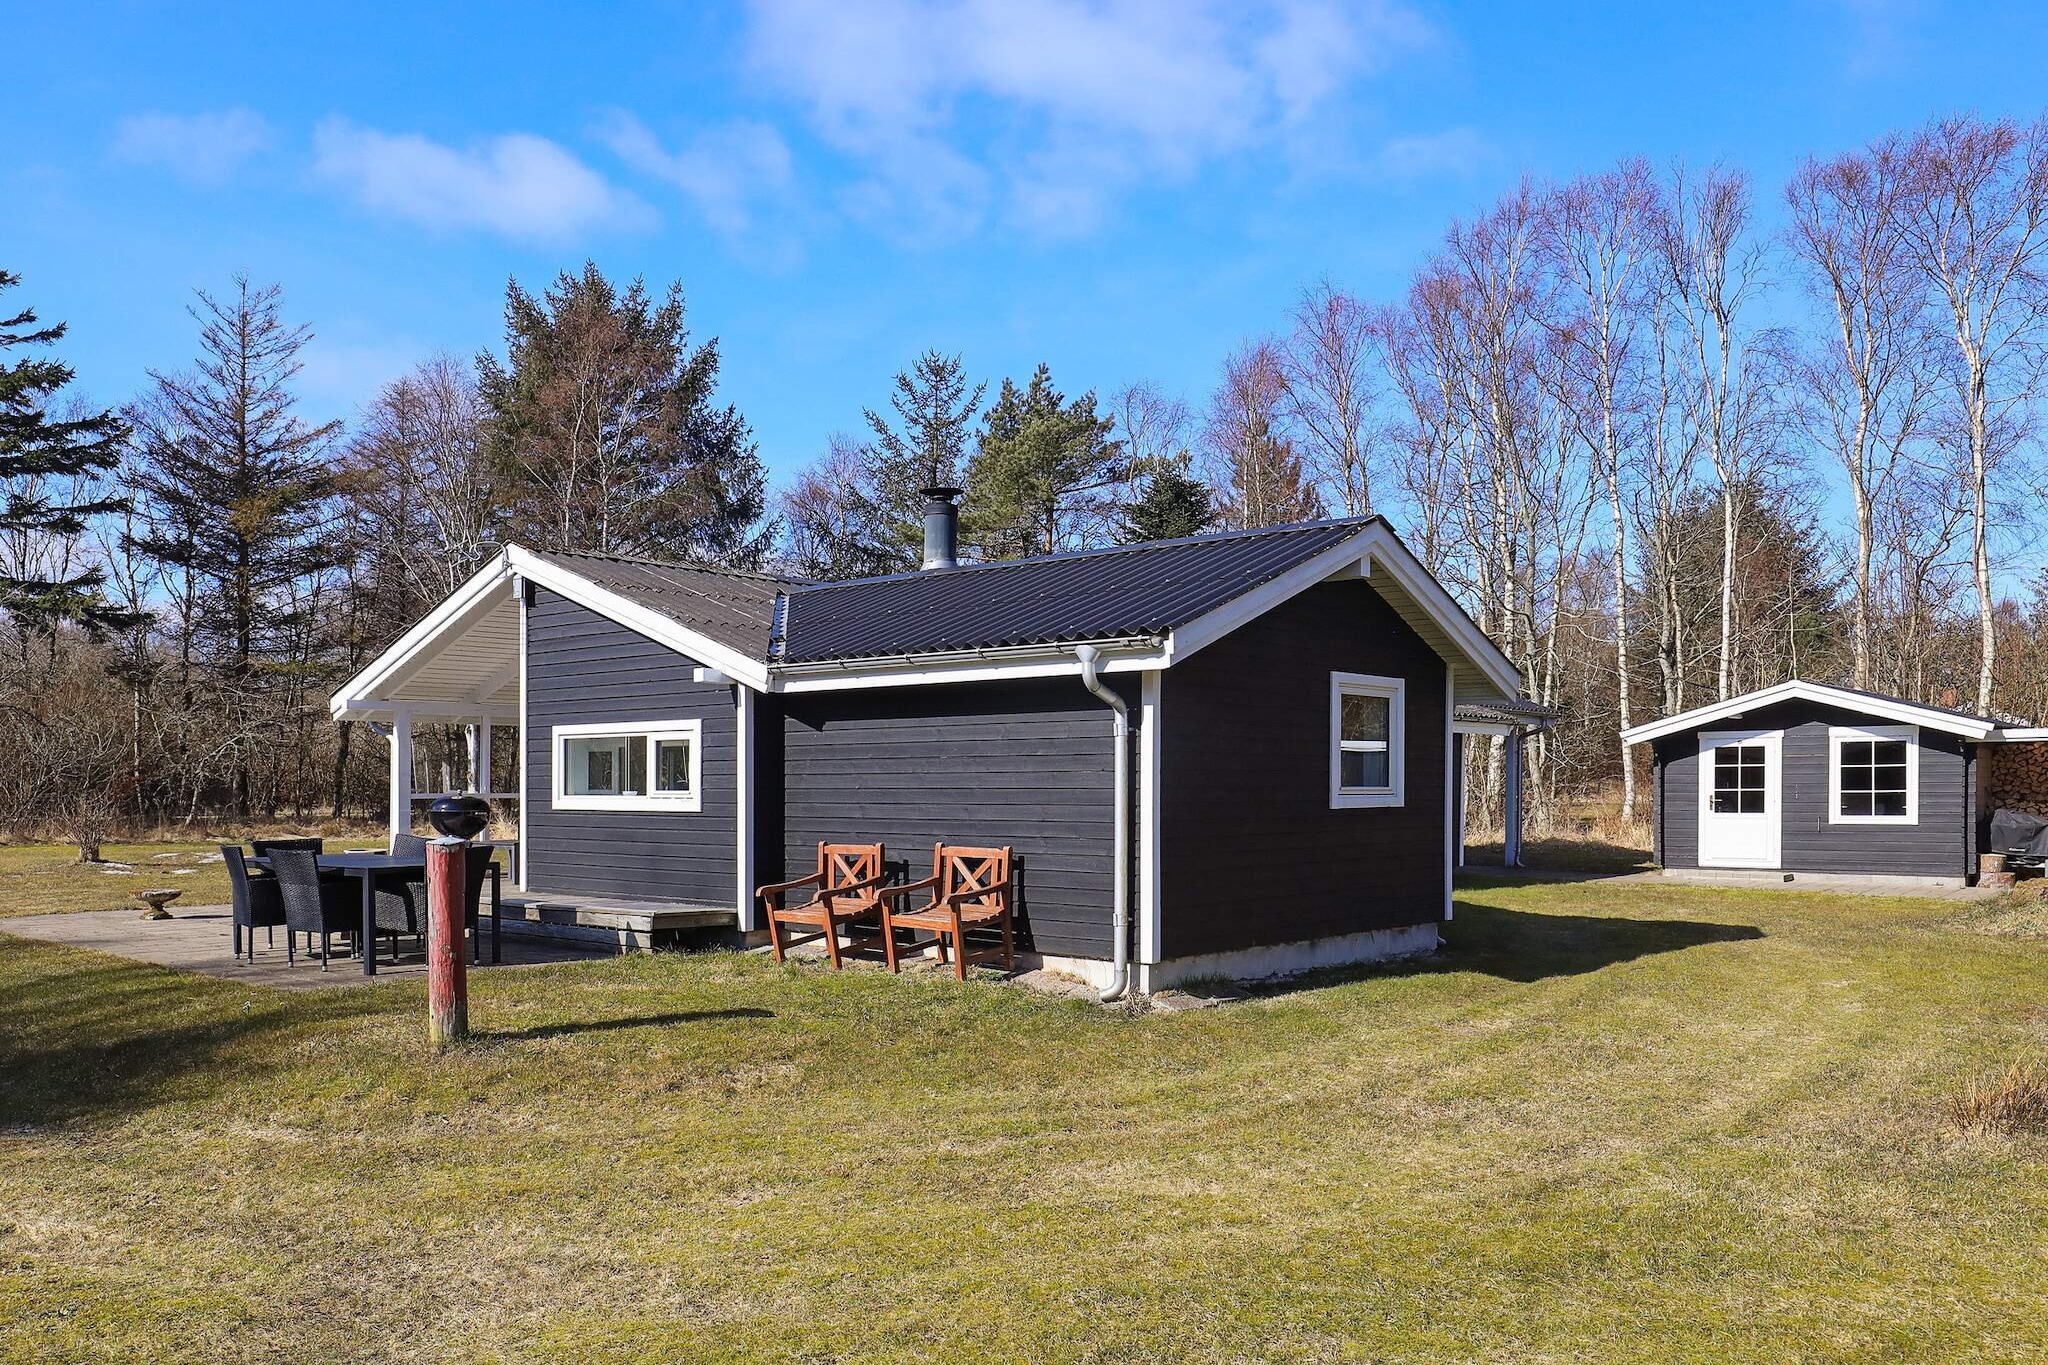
1367	762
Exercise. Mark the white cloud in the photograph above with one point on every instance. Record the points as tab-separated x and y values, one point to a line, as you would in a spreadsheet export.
1060	104
729	172
201	149
1454	152
516	184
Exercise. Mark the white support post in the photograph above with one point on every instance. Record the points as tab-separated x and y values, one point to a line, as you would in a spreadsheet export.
480	758
401	771
1454	831
523	858
743	818
1511	804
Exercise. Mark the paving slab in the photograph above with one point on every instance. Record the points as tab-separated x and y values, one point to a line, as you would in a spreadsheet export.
200	939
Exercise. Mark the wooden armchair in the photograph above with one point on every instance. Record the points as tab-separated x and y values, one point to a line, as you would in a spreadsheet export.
848	882
970	889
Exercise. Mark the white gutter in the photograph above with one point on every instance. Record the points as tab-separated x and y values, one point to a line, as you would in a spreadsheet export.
996	655
1120	957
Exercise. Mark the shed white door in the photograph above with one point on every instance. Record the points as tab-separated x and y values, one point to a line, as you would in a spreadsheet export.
1740	798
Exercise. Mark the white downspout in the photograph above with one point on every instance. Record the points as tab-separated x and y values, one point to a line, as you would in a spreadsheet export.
1120	960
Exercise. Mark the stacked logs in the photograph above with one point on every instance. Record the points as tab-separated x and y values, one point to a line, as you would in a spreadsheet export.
2016	778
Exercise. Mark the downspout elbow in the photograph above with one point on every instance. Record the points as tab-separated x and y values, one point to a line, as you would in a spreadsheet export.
1119	986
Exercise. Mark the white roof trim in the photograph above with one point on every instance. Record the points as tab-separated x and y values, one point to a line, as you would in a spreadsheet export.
485	590
475	597
1374	550
1906	712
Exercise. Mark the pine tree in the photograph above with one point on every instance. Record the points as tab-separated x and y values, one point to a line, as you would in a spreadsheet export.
239	499
934	407
1174	503
1036	484
604	430
40	455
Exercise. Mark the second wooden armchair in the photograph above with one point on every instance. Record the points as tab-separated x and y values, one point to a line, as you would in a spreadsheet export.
848	882
969	889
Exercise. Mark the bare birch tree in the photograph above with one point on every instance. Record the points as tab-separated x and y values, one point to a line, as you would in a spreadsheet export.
1976	231
1863	388
1326	363
1598	240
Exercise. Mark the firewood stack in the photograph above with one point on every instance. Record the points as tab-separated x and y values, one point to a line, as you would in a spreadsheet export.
2017	778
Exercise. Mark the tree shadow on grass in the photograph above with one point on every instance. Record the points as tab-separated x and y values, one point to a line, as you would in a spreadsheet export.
624	1022
1524	946
86	1034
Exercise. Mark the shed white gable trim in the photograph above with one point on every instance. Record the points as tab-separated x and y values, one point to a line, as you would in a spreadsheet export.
1888	708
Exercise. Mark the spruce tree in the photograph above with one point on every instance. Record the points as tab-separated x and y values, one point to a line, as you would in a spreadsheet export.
239	500
40	455
921	449
1037	481
604	429
1174	503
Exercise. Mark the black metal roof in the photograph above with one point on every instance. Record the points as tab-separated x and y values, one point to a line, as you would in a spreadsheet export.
2002	718
731	606
1136	590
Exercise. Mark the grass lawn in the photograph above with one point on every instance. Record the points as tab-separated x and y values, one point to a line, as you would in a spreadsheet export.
1608	1123
43	879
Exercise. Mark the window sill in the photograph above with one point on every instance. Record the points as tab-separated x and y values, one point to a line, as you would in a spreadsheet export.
672	805
1365	800
1873	819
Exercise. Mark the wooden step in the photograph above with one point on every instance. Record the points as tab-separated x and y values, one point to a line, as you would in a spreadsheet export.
630	925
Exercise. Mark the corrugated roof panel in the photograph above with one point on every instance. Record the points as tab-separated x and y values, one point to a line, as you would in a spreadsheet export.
731	606
1145	589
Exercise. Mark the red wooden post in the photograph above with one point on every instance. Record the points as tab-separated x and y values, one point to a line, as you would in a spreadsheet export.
447	976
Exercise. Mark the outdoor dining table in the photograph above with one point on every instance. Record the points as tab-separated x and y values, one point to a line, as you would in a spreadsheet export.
367	868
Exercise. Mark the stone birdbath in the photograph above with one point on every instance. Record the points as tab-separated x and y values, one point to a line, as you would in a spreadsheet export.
157	899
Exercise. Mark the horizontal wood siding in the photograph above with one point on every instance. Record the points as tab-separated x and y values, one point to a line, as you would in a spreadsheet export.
1026	764
582	667
1678	799
1251	853
1935	845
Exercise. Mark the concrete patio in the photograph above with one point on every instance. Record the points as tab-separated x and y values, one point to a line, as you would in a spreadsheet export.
199	939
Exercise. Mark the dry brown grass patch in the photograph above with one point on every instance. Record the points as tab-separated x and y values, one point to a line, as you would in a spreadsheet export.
2014	1104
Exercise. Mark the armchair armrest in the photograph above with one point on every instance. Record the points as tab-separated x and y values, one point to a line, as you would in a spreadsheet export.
905	888
781	887
864	884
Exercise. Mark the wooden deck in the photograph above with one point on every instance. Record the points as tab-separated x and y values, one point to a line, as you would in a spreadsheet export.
627	925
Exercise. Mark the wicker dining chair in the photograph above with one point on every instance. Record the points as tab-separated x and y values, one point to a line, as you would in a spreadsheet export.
313	904
257	904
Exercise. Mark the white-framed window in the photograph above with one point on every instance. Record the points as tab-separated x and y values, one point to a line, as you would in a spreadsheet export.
1367	762
1873	774
642	765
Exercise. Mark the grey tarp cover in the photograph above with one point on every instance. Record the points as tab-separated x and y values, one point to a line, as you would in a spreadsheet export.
2015	831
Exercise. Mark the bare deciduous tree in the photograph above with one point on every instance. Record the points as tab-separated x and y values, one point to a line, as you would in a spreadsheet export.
1326	363
1976	231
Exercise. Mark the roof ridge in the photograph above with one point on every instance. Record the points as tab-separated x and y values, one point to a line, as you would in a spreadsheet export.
698	566
800	586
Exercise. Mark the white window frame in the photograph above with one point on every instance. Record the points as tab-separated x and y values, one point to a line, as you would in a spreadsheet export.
640	732
1395	691
1837	735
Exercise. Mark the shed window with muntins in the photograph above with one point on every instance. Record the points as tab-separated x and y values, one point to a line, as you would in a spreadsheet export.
639	767
1366	762
1873	775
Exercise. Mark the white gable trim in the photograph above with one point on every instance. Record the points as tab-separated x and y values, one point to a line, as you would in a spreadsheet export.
475	598
487	589
1374	550
1888	708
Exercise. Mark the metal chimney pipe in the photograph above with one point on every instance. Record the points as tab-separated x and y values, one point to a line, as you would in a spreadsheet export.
941	527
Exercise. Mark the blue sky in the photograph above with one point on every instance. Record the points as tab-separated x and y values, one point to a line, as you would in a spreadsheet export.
1123	190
